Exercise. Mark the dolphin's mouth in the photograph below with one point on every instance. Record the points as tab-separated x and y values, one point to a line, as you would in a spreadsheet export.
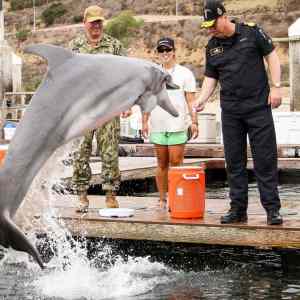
172	86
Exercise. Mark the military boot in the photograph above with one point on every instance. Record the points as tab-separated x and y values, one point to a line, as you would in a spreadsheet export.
111	201
83	205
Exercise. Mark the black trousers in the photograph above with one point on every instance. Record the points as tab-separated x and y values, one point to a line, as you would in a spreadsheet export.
259	126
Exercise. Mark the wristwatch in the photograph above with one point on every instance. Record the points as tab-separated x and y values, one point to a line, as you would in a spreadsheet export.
277	84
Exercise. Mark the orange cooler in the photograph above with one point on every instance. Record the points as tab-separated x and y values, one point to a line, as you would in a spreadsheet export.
3	150
186	192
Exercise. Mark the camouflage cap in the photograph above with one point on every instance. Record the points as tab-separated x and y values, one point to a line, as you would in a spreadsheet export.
93	13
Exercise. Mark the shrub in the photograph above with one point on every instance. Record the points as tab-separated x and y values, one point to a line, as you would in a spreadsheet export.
54	11
77	19
122	26
22	35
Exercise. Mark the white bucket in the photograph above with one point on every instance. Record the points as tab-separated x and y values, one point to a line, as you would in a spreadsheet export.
287	127
126	129
207	129
9	131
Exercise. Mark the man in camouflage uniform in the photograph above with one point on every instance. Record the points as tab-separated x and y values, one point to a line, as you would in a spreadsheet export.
94	42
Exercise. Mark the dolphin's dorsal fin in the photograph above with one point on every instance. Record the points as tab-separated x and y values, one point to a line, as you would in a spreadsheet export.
55	55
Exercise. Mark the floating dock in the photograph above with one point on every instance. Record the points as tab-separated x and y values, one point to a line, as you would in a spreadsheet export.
150	222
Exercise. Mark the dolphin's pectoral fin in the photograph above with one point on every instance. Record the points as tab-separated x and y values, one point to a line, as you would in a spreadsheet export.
55	55
11	235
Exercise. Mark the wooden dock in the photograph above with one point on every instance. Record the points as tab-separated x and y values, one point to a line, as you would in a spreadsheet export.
150	222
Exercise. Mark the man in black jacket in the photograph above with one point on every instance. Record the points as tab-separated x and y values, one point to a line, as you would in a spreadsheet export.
235	58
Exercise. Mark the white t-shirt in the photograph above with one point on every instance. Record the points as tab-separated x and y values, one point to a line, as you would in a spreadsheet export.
162	121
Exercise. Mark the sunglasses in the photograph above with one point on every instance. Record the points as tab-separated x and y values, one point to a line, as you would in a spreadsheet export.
162	50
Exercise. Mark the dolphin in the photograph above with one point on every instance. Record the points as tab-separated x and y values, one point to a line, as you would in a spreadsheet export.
79	92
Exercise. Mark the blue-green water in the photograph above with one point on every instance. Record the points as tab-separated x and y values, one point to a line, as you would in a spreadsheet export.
124	270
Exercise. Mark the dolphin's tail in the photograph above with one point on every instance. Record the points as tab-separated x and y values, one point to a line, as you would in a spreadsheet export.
11	235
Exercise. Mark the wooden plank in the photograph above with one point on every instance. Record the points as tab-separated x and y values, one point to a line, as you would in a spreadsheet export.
152	223
212	235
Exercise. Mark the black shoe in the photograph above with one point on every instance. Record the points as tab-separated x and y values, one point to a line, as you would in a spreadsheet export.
274	217
234	216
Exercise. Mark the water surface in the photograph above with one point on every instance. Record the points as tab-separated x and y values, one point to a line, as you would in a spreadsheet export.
103	269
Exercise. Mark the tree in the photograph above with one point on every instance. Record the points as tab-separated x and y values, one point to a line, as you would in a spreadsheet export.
123	26
54	11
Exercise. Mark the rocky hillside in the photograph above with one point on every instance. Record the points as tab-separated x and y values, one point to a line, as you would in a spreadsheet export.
155	7
274	16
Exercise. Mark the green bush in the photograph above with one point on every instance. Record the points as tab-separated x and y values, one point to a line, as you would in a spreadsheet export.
22	35
123	26
54	11
16	4
77	19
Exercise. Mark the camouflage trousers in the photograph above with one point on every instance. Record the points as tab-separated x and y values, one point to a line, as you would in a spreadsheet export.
108	146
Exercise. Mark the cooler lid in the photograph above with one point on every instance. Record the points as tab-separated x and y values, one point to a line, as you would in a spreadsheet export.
187	167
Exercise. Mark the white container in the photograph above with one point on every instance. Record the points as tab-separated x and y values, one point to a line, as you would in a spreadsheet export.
287	127
207	129
9	131
126	128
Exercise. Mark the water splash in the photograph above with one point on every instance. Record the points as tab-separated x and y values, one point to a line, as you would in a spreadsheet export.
124	279
70	273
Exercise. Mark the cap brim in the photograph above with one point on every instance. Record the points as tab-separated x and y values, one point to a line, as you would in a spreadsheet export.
93	19
208	24
164	45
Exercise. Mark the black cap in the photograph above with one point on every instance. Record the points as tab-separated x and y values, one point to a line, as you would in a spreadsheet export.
165	42
212	10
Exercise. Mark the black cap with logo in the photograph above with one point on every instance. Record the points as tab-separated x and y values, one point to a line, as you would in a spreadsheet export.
212	10
165	42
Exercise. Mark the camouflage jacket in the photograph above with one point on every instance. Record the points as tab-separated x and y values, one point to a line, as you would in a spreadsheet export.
107	44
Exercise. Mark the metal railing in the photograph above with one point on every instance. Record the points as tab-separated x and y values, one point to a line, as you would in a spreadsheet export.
14	105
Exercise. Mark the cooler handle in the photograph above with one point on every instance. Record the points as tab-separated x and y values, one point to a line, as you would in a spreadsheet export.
190	177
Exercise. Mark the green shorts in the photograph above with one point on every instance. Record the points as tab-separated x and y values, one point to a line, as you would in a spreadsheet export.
168	138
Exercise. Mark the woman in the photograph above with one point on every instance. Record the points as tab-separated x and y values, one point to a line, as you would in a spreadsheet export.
169	134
